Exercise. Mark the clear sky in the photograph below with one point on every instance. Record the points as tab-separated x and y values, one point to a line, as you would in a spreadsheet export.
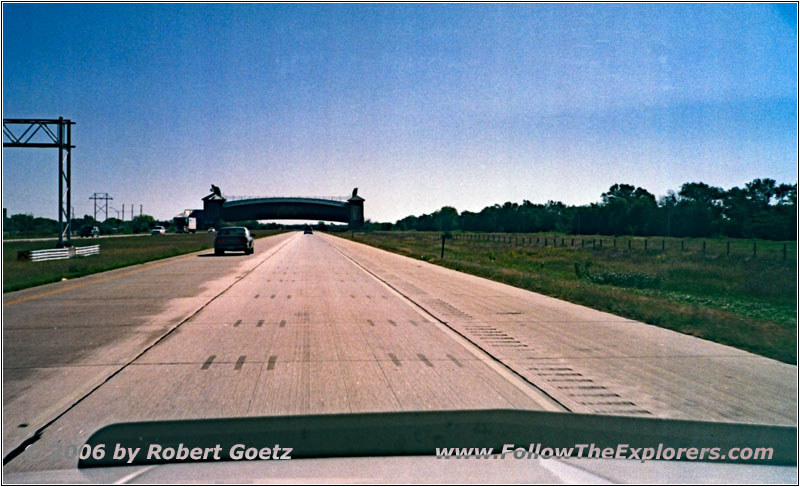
420	106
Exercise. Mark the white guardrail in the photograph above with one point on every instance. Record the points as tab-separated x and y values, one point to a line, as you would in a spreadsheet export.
56	254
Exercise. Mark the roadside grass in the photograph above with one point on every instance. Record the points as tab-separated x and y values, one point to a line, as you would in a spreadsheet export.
115	252
749	303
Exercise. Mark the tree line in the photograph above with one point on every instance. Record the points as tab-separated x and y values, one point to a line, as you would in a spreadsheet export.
761	209
26	225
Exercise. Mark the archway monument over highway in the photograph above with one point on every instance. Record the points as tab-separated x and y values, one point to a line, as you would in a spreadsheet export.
218	208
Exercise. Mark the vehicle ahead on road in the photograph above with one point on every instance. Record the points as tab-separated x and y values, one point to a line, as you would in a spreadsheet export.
307	230
158	230
90	231
233	238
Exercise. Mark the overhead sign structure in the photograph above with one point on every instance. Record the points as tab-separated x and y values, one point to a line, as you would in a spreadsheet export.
48	134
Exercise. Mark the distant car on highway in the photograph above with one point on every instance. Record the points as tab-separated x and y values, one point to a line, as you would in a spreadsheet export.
90	231
233	238
307	231
158	230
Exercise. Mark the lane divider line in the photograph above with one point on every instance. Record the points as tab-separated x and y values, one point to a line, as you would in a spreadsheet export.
239	363
208	362
544	399
94	281
15	452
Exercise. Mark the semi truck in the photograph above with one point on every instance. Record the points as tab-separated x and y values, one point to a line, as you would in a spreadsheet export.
185	223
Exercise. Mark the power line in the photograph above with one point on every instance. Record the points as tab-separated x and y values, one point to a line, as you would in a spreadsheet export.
104	197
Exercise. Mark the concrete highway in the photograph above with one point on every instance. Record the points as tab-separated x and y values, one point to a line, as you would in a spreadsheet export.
319	324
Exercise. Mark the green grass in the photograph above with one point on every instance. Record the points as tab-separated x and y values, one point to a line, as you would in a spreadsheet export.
115	252
738	300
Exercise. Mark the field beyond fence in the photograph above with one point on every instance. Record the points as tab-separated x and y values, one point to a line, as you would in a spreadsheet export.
733	291
744	248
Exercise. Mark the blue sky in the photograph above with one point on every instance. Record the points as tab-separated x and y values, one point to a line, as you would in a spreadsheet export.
418	105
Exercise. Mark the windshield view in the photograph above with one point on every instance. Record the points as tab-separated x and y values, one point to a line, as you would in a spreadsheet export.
399	243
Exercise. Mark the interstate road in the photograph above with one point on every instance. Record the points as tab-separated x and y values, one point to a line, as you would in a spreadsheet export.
320	324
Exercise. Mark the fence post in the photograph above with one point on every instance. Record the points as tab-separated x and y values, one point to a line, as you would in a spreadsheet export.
545	241
645	244
442	246
728	249
681	245
601	243
615	243
663	245
629	243
572	243
704	246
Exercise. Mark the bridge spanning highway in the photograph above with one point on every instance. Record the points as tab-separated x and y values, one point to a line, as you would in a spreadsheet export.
320	324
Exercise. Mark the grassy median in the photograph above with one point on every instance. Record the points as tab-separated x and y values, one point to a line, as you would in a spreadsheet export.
719	293
115	252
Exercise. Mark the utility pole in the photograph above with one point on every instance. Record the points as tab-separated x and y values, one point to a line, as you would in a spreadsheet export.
140	209
123	211
104	197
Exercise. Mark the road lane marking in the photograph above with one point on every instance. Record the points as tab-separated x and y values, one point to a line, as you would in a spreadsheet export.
425	360
395	359
238	322
20	448
239	363
542	398
371	323
391	322
146	266
455	360
94	281
260	323
271	362
208	362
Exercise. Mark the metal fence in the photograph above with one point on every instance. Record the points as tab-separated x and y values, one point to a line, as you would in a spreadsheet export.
652	244
57	254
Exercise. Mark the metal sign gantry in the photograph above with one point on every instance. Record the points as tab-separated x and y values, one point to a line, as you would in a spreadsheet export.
48	134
